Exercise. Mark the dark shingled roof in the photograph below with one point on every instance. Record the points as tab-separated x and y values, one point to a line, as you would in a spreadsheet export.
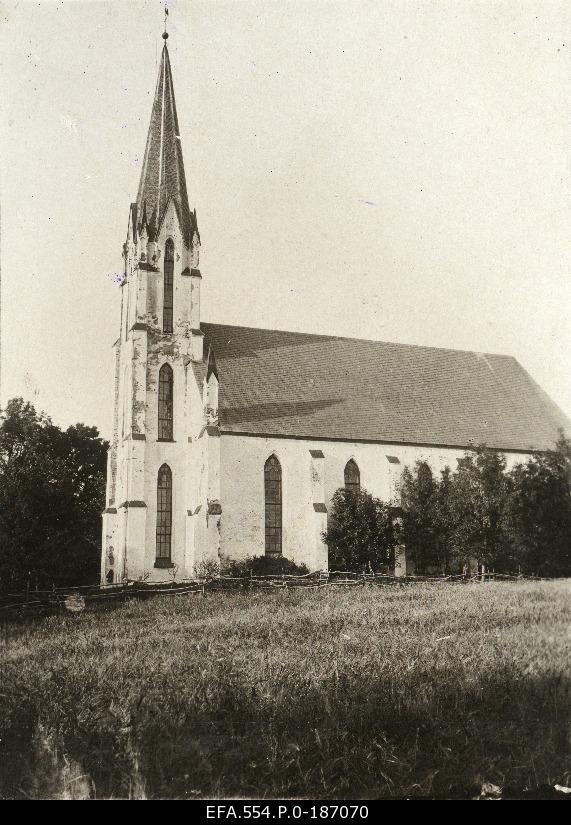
317	386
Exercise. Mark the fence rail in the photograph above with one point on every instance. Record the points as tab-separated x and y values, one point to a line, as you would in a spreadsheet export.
76	599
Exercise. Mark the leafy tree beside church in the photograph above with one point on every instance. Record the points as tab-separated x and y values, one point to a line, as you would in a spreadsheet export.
361	534
512	522
538	514
427	522
52	492
516	521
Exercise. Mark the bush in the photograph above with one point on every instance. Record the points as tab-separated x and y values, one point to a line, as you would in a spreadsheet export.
264	566
208	569
360	534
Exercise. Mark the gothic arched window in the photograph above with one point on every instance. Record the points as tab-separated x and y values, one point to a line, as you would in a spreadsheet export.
168	286
164	514
425	480
352	477
273	502
165	428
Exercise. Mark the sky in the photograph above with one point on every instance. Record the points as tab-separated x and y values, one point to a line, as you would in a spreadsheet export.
392	170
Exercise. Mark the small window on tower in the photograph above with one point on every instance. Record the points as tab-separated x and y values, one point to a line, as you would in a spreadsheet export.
165	429
168	286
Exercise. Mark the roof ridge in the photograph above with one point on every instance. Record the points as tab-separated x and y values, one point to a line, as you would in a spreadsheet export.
322	335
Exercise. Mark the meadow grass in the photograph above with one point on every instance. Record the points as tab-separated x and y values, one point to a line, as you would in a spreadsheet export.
419	690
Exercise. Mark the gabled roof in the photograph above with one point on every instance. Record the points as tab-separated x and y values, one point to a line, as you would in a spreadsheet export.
320	387
162	175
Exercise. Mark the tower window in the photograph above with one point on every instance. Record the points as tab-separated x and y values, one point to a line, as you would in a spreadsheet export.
164	514
352	477
165	428
168	286
273	502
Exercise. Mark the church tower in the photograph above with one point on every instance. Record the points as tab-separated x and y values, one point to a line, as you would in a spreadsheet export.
162	506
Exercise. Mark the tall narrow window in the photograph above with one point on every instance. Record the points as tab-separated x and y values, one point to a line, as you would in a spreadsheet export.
168	286
425	480
273	501
164	514
352	477
165	403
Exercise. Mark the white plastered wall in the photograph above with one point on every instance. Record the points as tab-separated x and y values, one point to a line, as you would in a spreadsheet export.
242	486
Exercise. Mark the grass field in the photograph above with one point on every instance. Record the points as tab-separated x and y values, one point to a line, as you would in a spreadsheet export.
423	690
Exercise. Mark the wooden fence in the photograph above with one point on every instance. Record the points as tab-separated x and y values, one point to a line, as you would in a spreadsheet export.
76	599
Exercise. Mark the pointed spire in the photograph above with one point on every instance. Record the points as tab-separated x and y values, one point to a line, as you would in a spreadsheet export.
162	175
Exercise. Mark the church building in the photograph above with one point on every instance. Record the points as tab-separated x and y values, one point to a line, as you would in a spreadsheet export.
229	442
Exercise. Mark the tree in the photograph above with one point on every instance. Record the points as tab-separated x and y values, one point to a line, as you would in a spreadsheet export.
479	495
360	533
418	500
538	516
427	518
444	521
52	492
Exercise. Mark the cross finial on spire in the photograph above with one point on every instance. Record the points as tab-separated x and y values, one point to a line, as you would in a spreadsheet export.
165	33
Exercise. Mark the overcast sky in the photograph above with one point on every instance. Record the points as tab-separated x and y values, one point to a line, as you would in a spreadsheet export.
390	170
